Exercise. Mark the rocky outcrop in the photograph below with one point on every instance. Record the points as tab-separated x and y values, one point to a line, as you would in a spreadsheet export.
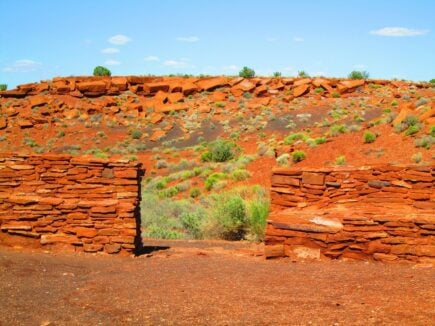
384	213
91	86
88	205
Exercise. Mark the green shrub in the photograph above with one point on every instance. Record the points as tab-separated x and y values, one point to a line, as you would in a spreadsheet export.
195	192
417	157
413	129
298	156
157	232
369	137
335	95
335	130
422	101
219	104
220	150
136	134
400	127
161	164
101	71
100	154
183	186
340	160
191	222
276	74
432	131
432	81
212	179
187	174
232	218
3	87
426	141
303	74
258	212
169	192
290	139
240	174
394	103
411	120
28	141
60	134
161	184
320	140
319	90
358	75
283	159
247	72
163	217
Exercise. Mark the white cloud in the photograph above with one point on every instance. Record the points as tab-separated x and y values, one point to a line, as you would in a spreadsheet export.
112	62
152	58
110	51
181	63
119	39
230	67
298	39
399	31
188	39
24	65
360	66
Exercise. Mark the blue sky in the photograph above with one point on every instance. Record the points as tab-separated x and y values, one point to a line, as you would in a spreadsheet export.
43	39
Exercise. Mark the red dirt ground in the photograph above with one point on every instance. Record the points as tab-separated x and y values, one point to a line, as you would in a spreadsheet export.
209	284
389	147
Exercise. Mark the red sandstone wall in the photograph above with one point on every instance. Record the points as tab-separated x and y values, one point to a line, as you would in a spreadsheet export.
84	204
384	212
412	186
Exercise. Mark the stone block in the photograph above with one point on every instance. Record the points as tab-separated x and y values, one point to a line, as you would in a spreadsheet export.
313	178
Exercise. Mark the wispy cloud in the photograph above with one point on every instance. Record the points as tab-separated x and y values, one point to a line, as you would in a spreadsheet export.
152	58
112	62
188	39
110	51
119	39
298	39
24	65
360	66
180	64
399	31
230	68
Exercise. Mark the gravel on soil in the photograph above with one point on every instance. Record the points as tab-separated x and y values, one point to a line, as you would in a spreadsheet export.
210	284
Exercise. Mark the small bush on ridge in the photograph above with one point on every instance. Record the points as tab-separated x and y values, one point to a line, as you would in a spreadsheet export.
102	71
358	75
246	72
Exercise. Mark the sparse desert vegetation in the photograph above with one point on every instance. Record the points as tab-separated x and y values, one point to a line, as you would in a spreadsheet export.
202	149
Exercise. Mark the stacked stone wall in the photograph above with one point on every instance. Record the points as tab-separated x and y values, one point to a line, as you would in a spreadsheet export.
383	212
83	204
